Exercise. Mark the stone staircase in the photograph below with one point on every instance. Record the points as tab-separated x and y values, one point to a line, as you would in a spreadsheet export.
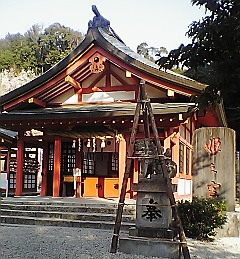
100	215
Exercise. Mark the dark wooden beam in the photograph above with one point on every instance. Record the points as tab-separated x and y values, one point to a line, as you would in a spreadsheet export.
108	74
37	102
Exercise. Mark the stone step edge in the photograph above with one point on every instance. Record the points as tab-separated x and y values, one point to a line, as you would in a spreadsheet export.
124	231
65	213
64	220
62	203
56	205
67	206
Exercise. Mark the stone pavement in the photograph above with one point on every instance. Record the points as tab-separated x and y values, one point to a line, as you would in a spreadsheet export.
46	242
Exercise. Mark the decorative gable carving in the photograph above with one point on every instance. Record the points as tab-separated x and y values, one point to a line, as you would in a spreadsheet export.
97	65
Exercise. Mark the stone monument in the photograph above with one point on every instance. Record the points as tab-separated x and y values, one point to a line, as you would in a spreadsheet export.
214	164
153	234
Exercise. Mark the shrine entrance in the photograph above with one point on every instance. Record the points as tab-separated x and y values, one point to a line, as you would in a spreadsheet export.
85	170
67	165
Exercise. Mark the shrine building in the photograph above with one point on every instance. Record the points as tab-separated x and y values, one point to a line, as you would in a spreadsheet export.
78	116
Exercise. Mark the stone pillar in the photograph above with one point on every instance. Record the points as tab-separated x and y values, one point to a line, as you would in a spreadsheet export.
214	164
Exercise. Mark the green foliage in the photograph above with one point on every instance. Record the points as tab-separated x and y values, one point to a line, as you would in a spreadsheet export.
37	50
55	43
213	56
202	216
150	52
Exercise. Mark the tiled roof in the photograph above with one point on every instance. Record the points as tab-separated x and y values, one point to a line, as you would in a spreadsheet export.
154	68
7	133
96	110
106	39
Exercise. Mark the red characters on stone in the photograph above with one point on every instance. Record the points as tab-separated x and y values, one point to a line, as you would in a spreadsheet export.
213	146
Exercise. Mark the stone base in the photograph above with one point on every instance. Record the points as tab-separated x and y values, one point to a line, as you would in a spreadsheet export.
232	226
150	247
150	233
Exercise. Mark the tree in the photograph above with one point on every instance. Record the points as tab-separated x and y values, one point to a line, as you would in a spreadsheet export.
213	57
6	56
150	52
55	43
142	49
10	55
32	36
37	50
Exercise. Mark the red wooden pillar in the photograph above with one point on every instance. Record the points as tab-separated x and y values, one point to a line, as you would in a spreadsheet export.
20	161
56	168
44	169
122	161
78	190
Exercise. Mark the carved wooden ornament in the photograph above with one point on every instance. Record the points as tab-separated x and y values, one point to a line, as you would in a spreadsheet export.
97	65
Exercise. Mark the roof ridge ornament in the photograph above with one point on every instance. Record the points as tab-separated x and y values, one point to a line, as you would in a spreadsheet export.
99	21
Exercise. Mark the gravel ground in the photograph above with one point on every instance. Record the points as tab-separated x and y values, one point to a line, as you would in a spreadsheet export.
41	242
45	242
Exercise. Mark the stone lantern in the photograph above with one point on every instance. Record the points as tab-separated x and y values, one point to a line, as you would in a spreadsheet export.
153	234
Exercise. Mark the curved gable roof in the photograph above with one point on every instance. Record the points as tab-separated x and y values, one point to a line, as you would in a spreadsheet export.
112	44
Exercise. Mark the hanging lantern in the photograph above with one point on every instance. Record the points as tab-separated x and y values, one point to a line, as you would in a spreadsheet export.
94	144
103	144
79	144
74	143
89	143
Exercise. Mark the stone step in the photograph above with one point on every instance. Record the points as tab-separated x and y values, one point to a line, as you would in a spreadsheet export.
67	212
62	203
65	202
128	210
21	220
87	216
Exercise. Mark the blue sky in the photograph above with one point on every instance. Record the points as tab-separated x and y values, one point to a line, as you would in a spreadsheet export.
159	23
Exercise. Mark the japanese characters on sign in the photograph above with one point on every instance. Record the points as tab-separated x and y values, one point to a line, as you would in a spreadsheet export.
213	147
152	212
212	189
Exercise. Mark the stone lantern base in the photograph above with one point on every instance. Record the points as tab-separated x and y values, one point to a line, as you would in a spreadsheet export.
154	233
157	247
